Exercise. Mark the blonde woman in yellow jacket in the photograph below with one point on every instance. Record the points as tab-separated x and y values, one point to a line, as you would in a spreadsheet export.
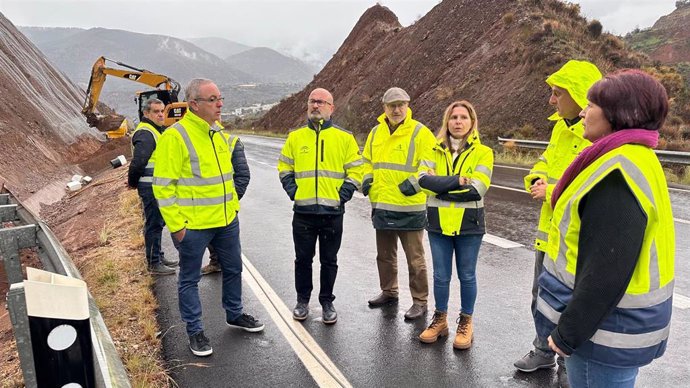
455	210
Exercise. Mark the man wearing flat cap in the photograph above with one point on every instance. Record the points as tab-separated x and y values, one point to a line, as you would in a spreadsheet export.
398	148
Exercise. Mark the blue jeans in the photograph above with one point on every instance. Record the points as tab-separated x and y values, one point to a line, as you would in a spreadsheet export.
584	373
153	225
226	241
466	249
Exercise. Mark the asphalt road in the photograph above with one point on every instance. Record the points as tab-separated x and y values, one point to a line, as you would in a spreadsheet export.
376	347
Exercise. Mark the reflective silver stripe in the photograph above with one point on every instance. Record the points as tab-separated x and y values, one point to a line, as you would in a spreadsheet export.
542	158
411	149
432	201
204	201
367	176
158	181
322	174
146	179
354	182
162	202
630	341
649	299
538	172
317	201
552	181
193	156
150	164
654	277
371	144
398	208
548	311
542	235
366	160
484	170
205	181
480	186
283	174
231	146
395	167
413	180
286	160
356	163
427	163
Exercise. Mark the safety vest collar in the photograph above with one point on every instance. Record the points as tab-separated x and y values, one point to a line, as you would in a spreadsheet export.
403	129
323	124
197	123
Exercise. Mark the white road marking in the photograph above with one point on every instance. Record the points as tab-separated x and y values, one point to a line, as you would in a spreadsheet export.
260	162
500	242
317	362
512	167
682	221
681	301
510	188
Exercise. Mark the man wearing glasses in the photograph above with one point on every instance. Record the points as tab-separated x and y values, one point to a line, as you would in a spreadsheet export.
397	150
320	168
193	183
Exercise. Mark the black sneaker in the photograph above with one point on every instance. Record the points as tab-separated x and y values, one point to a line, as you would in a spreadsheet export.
328	314
161	269
247	323
200	345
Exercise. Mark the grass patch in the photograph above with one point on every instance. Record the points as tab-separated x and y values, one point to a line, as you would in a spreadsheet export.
679	175
516	157
117	278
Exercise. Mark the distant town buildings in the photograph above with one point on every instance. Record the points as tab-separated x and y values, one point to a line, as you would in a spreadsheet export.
248	110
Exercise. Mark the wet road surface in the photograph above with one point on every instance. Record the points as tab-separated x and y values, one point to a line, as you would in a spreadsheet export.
376	347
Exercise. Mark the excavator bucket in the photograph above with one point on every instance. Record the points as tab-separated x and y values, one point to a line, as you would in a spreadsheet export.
105	123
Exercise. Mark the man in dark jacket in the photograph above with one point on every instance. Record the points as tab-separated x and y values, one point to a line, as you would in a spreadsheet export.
140	176
241	177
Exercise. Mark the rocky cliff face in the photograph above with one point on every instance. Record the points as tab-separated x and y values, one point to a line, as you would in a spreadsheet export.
41	126
493	53
668	41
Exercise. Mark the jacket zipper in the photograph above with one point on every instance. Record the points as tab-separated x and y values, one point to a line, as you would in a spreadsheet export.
317	126
222	179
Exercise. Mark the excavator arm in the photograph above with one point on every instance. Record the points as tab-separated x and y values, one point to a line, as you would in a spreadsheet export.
99	72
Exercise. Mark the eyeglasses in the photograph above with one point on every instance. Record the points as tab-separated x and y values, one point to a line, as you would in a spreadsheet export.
318	102
212	100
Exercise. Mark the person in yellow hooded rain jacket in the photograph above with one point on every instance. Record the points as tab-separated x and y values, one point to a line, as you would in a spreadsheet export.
193	183
569	86
397	149
455	209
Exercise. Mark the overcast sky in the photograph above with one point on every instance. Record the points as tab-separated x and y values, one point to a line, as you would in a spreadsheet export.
307	29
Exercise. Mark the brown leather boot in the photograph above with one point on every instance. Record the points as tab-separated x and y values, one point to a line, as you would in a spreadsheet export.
437	328
463	336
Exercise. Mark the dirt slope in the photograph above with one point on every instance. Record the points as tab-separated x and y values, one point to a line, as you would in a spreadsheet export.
494	53
42	132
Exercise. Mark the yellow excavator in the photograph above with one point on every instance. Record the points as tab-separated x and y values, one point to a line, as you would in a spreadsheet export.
166	90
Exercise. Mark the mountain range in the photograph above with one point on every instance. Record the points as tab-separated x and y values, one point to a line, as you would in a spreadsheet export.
74	51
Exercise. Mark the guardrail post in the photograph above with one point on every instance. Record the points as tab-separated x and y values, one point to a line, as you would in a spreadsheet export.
8	212
10	257
4	199
16	303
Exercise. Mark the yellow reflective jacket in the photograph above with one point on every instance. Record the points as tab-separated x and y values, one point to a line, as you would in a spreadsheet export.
392	165
453	209
647	301
566	141
192	180
320	168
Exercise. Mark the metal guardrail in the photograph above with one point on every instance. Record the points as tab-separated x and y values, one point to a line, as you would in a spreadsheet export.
110	372
676	157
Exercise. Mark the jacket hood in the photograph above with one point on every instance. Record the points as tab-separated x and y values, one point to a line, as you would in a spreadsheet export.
576	77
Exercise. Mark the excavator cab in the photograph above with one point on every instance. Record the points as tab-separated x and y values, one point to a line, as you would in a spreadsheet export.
174	110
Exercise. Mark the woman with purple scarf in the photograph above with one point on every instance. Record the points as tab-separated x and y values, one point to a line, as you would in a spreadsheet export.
605	295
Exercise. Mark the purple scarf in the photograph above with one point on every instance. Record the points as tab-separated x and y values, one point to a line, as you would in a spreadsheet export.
605	144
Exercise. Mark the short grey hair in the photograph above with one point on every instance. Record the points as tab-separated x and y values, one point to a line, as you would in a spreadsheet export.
191	92
151	101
